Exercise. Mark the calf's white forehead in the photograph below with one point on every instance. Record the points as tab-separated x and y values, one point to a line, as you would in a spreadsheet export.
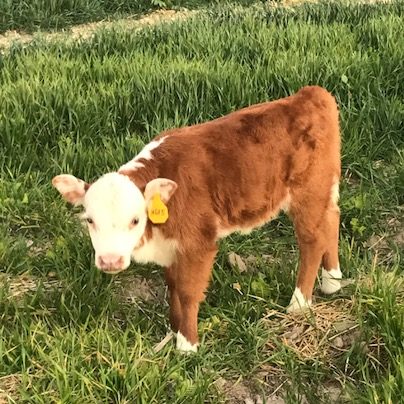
114	195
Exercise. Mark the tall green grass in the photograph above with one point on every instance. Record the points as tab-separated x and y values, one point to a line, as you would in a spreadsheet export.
85	108
45	14
30	15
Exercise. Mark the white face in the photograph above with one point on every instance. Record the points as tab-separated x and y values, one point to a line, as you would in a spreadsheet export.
115	211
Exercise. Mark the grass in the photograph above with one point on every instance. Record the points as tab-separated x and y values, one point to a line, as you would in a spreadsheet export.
85	108
57	14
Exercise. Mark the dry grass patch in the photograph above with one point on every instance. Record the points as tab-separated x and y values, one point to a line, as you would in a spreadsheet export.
20	285
87	31
326	331
238	392
134	288
9	388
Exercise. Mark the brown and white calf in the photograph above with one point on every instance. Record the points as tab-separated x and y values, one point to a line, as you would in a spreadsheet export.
232	174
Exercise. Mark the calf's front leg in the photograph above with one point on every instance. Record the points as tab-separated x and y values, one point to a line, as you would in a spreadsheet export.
192	279
174	301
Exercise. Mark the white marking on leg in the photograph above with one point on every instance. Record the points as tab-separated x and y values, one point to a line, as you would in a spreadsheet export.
335	195
184	345
331	280
298	302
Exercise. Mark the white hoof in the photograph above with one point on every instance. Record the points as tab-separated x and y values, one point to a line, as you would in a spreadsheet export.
331	281
298	302
184	345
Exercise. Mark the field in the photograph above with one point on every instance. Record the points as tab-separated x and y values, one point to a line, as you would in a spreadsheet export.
57	14
70	334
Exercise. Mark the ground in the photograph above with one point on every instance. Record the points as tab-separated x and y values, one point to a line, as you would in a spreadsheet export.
85	100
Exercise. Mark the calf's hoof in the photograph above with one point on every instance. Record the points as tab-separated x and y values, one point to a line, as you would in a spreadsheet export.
183	345
298	302
331	281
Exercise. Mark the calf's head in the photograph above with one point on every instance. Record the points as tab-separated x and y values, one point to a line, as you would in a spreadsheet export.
115	211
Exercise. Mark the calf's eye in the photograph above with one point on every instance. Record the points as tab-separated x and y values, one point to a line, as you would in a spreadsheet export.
89	220
135	221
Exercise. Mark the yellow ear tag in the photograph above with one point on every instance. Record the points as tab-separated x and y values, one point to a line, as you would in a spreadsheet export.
157	210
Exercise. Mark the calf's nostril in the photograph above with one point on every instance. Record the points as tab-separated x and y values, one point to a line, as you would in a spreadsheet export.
110	261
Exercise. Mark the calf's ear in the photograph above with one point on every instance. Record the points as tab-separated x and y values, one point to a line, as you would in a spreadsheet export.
162	186
71	188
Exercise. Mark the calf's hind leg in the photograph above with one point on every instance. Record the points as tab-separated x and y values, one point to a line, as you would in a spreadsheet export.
331	274
311	252
316	228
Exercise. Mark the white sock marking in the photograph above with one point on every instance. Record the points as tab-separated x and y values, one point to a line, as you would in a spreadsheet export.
298	302
331	280
184	345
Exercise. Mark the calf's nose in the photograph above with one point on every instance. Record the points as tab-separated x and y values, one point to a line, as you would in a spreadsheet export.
110	261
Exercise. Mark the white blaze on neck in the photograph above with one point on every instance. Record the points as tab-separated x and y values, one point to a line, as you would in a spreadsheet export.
298	302
144	154
131	165
184	345
158	250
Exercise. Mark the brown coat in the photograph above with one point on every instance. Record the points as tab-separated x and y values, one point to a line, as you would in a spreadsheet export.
236	173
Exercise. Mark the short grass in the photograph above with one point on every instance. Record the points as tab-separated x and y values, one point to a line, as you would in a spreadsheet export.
85	108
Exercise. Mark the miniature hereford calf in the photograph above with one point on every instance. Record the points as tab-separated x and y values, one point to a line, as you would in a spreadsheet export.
192	186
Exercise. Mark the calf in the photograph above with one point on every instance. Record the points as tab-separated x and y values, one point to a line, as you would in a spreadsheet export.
192	186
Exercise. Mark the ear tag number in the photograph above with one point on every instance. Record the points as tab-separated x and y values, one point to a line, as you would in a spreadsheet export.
157	210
